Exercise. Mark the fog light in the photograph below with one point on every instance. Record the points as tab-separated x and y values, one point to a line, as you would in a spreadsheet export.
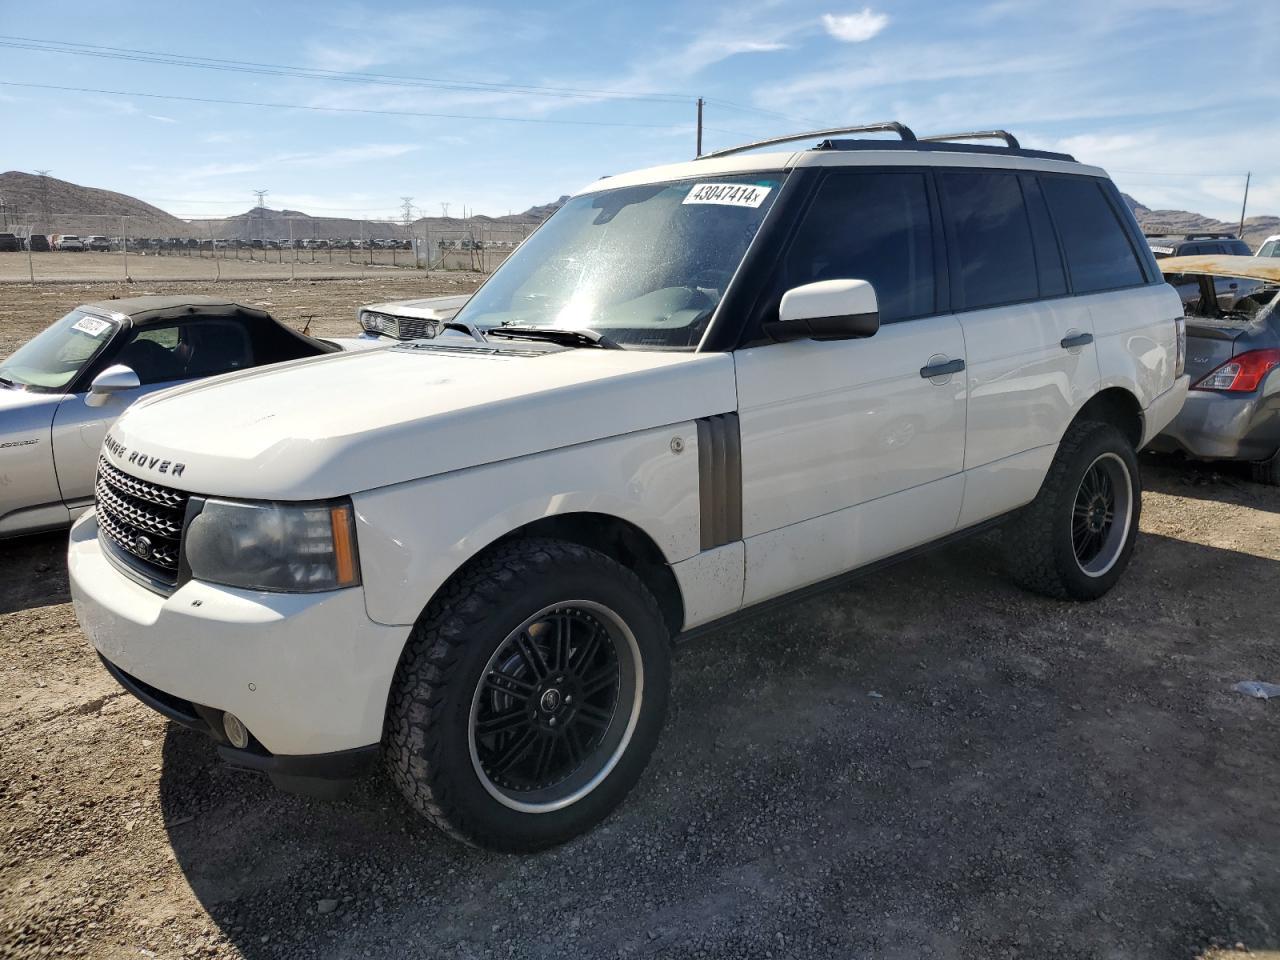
235	730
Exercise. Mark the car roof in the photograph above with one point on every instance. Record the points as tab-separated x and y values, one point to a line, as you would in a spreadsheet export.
908	151
1249	268
156	309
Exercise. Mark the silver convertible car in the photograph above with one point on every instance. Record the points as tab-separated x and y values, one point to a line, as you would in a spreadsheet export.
61	390
1233	355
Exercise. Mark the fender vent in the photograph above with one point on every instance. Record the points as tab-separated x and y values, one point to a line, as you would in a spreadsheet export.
719	480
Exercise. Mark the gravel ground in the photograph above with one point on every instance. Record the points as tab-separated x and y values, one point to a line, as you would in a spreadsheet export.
925	763
204	267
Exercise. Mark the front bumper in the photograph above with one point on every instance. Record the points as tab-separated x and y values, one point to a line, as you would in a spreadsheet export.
1224	426
307	674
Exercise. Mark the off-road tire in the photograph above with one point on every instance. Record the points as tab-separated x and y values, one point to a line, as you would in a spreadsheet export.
426	746
1038	539
1267	471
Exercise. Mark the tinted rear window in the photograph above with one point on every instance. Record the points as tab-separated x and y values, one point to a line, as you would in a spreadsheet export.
1099	256
991	248
874	227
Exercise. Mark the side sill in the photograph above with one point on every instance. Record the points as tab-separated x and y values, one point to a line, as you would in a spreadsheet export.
831	583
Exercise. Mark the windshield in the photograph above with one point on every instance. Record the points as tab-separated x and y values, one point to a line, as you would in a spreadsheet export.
54	358
1270	249
644	265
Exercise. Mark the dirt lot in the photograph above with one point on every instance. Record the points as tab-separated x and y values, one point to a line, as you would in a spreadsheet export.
927	763
205	266
330	304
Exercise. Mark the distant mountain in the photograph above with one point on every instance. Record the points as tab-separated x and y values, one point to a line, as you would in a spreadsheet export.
1256	229
49	205
267	224
542	211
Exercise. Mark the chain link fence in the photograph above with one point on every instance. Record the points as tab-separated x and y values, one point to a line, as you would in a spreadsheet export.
104	246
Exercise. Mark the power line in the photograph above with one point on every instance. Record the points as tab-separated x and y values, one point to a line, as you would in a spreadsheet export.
361	110
276	69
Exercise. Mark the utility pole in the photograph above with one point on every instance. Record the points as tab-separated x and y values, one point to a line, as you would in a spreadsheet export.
699	153
1247	177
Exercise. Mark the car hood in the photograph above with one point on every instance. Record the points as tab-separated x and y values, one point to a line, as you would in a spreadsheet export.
1266	269
428	308
344	423
13	399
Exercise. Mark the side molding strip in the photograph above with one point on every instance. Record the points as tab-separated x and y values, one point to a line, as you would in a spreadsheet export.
719	480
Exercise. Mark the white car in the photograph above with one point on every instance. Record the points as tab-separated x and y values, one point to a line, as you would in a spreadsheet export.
409	319
701	388
61	391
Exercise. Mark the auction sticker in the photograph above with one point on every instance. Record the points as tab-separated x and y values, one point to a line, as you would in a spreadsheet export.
91	325
728	194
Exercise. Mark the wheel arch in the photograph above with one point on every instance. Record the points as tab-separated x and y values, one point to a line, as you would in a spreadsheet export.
1118	407
616	538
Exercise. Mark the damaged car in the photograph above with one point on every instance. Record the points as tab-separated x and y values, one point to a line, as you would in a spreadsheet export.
1232	411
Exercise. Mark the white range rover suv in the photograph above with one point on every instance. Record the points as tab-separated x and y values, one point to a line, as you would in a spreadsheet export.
696	389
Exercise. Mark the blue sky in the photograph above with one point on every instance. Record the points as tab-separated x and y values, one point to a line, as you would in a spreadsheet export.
1177	98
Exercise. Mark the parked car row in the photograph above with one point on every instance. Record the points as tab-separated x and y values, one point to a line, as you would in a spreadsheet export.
12	242
696	390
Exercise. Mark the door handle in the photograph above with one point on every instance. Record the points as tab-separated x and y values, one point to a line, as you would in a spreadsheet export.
1077	340
943	368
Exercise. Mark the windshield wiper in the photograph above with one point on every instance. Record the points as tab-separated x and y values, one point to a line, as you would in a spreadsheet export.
567	338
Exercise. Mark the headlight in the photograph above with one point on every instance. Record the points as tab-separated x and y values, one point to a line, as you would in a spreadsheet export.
291	547
375	322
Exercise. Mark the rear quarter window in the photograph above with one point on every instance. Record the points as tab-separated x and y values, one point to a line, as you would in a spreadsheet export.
1099	254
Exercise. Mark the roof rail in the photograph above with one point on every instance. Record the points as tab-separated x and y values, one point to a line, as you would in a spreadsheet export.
1009	139
890	126
1194	235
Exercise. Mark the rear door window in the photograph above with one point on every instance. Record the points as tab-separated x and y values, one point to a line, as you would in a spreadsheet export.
1099	254
992	256
873	226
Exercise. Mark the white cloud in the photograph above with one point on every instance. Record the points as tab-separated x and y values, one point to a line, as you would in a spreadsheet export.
156	116
855	27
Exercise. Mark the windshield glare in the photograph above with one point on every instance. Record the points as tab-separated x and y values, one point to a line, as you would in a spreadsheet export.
645	265
52	359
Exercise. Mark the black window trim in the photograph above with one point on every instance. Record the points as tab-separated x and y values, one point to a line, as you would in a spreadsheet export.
740	312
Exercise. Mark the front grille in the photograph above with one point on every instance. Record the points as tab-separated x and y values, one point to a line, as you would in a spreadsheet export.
412	328
143	520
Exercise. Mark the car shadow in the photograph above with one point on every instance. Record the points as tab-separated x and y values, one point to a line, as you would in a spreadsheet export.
1222	481
33	572
926	758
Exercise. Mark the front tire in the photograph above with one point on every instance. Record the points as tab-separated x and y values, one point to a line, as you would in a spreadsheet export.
529	697
1075	539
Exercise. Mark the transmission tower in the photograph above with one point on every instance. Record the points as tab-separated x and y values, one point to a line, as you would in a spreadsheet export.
444	207
259	209
406	211
44	198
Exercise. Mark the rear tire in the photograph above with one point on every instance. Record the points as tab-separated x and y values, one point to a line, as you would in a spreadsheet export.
529	697
1074	540
1267	471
